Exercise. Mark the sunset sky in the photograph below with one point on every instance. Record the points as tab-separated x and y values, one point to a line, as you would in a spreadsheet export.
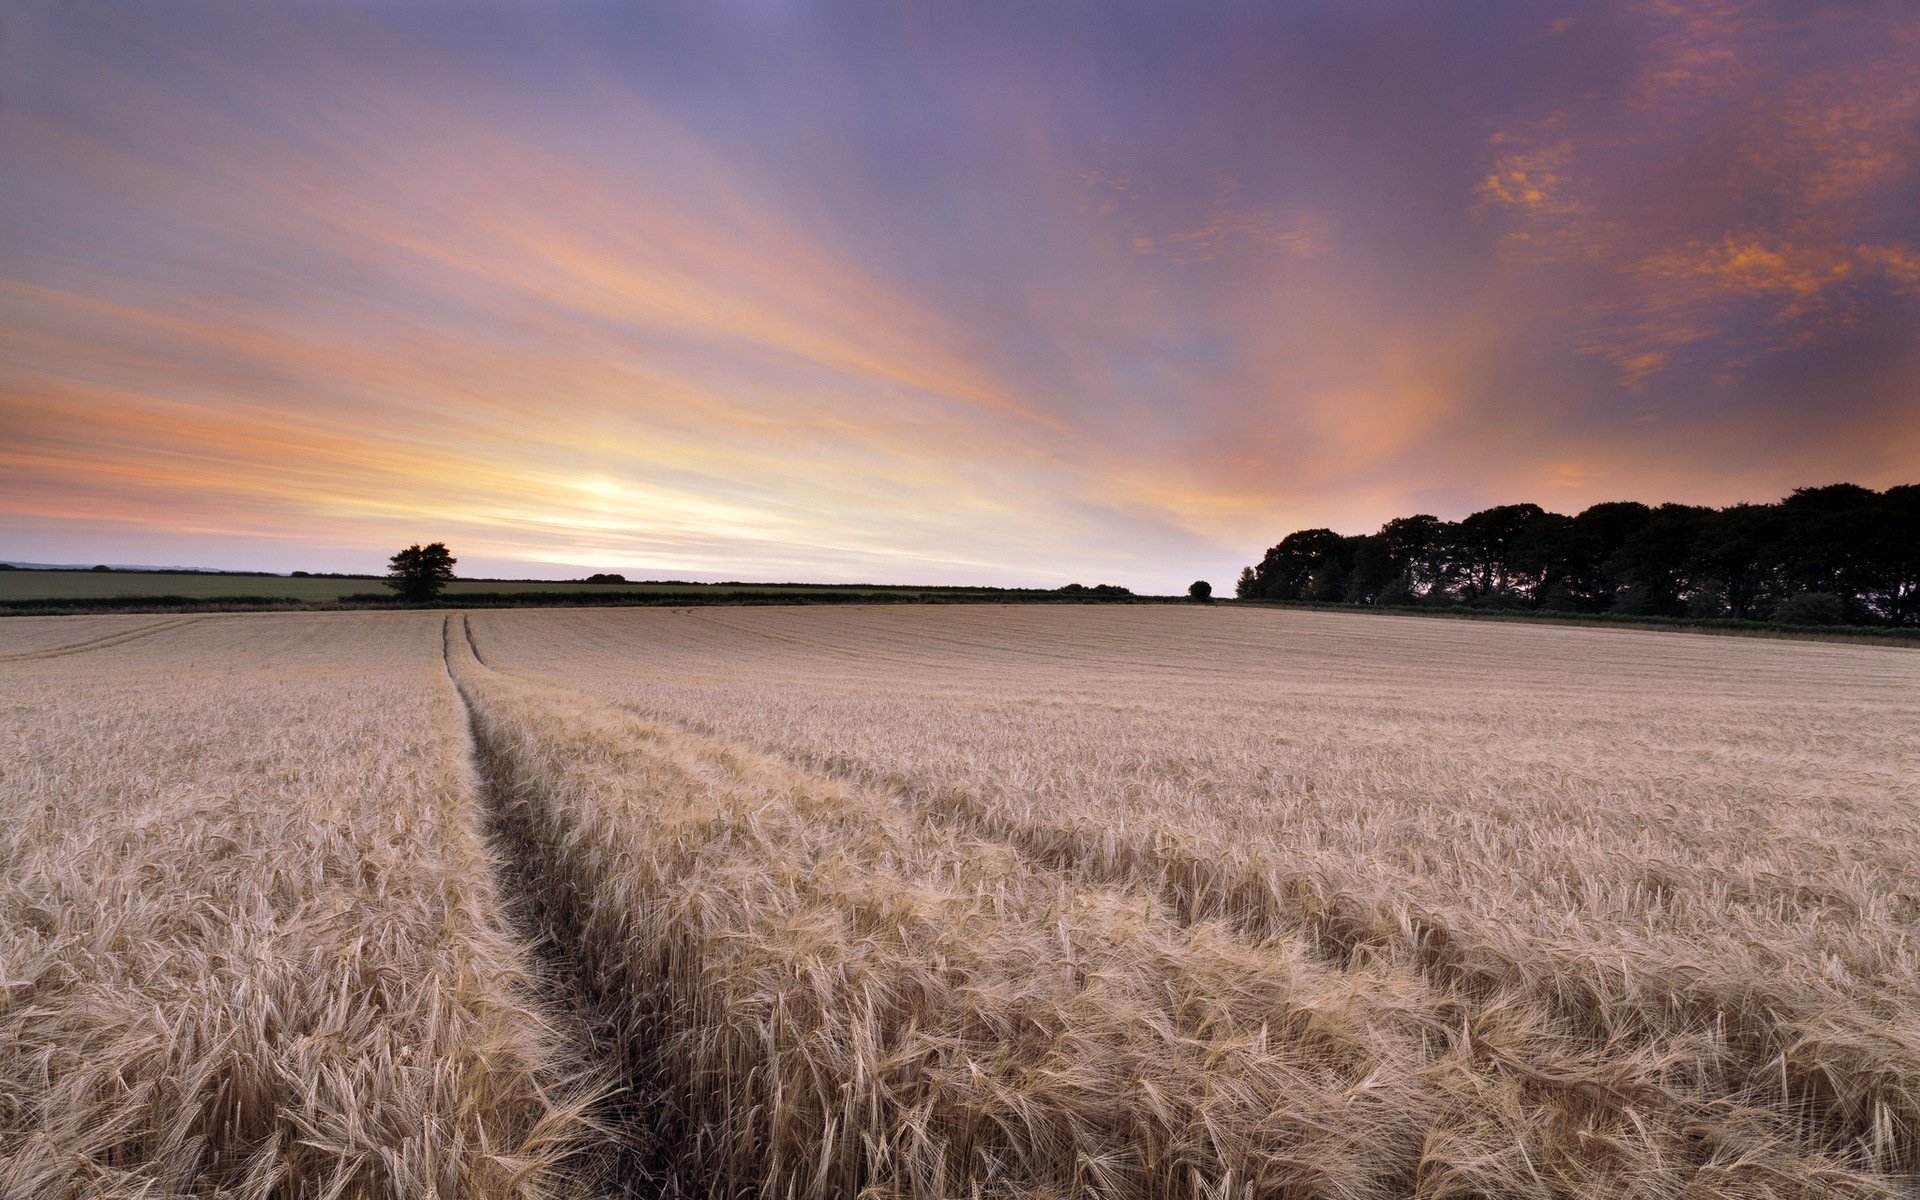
974	292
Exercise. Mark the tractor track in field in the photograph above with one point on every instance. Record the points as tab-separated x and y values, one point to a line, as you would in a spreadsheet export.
554	917
104	641
626	1161
1337	930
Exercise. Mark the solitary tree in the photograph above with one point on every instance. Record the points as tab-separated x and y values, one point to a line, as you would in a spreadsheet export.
1201	590
419	572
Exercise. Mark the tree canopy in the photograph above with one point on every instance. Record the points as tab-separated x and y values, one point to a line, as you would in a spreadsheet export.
420	572
1839	553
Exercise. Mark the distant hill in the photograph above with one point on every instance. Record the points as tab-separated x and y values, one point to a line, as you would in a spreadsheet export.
173	570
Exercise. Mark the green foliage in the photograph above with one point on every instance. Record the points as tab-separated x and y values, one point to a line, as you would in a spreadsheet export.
1200	590
420	572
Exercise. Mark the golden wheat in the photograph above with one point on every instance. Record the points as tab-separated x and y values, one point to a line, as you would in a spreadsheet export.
932	902
249	942
834	996
1647	896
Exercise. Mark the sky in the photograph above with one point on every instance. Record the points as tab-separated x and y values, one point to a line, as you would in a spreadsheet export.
984	292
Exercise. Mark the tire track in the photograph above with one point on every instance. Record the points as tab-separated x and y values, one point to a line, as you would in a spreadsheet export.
690	1009
102	642
618	1167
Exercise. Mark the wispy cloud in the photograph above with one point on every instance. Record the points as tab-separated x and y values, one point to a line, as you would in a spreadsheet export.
1102	295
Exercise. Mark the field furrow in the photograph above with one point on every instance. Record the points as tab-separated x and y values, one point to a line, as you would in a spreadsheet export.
99	641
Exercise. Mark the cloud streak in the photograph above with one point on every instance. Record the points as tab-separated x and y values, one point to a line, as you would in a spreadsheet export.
1015	297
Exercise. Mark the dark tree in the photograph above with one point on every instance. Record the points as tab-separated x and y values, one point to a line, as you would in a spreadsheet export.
1331	579
1373	570
1287	571
1397	594
419	572
1738	552
1795	561
1544	558
1201	590
1656	566
1416	547
1593	541
1811	608
1825	538
1487	541
1895	551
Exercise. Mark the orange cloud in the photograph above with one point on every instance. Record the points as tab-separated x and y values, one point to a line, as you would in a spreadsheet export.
1777	212
1797	276
1531	179
1232	230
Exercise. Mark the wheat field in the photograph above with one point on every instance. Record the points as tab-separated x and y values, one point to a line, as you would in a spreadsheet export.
953	901
250	943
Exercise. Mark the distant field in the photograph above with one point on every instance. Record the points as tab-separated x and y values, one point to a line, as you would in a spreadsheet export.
48	585
1170	902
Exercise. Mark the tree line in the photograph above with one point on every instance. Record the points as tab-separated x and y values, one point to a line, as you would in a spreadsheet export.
1841	554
